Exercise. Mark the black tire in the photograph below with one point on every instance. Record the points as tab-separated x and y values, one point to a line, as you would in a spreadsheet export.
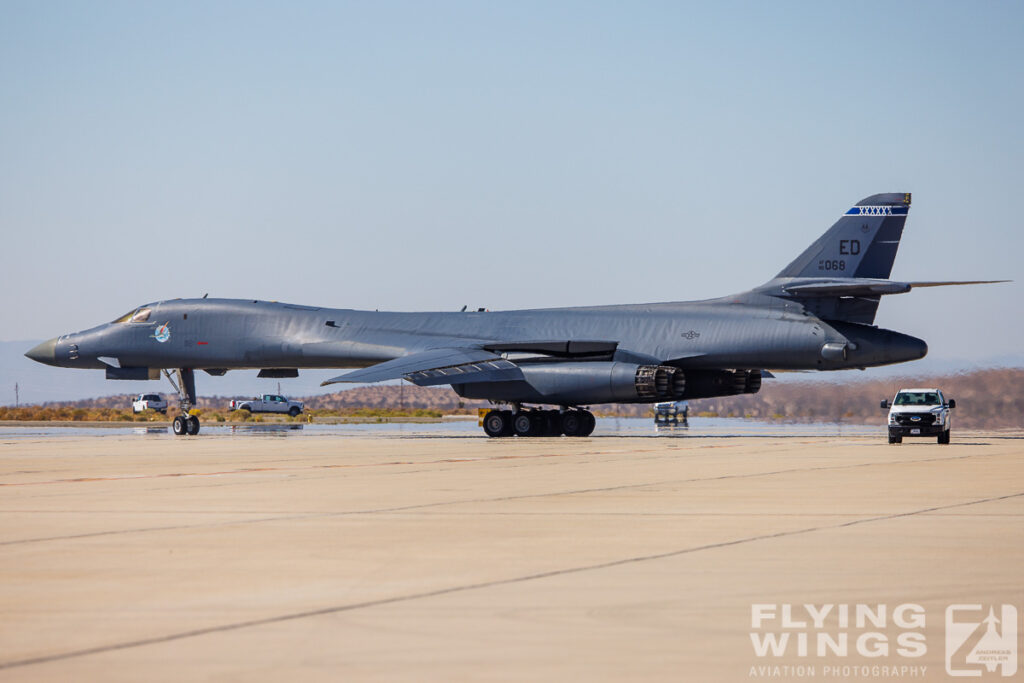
895	439
588	423
498	423
571	423
944	437
192	425
540	423
294	411
526	424
179	426
552	423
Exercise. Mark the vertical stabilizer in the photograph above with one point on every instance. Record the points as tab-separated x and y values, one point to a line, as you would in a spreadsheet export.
861	244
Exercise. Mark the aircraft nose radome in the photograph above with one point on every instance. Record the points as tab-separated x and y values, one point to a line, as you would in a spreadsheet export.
45	353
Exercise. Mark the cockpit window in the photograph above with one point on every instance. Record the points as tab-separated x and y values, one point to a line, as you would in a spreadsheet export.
917	398
138	315
126	317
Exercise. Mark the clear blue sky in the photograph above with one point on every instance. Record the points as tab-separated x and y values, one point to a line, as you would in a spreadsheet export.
422	156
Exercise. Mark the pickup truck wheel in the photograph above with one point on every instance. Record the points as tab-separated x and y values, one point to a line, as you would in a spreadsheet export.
895	439
294	411
944	437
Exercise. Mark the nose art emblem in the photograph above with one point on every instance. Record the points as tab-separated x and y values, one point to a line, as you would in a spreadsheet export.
163	333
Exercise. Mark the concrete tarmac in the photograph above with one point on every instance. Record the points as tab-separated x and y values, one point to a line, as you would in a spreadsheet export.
328	557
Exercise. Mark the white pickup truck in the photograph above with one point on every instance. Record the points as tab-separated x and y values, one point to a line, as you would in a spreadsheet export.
268	403
668	412
919	412
144	402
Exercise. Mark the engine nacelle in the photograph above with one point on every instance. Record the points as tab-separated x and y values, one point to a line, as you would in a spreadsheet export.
583	383
711	383
580	383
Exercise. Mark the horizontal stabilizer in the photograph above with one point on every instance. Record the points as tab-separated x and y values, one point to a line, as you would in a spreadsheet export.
956	282
845	287
424	360
864	287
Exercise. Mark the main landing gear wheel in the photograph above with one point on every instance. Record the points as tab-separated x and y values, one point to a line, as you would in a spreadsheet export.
578	422
538	423
588	423
192	425
572	423
531	423
498	423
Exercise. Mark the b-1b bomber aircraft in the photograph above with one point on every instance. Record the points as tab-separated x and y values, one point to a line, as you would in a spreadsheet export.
816	314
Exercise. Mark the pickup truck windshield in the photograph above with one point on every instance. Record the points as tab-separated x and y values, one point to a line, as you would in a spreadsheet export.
917	398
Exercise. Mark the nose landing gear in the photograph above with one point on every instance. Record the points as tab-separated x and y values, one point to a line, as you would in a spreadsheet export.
184	424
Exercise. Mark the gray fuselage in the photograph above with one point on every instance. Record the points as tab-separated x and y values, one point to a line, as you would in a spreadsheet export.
749	331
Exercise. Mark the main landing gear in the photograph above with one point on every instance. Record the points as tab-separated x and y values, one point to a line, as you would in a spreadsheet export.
574	422
186	423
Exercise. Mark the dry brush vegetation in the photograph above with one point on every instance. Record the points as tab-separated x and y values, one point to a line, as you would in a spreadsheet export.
986	399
